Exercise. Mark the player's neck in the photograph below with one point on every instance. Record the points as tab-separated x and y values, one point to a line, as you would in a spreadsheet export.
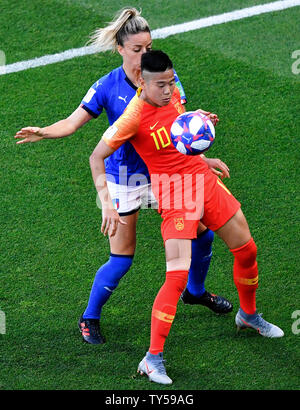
144	97
133	75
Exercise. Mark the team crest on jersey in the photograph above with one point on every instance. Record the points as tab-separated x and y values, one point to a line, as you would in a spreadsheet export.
116	203
179	223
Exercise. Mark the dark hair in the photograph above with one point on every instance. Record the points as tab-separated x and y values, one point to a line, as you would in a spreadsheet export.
155	61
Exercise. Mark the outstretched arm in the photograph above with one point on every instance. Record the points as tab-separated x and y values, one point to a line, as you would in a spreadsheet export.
59	129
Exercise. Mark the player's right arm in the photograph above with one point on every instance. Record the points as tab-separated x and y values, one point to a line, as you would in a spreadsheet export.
60	129
110	217
91	107
117	134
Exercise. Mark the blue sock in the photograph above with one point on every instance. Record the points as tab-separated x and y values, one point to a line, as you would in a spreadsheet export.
106	280
201	256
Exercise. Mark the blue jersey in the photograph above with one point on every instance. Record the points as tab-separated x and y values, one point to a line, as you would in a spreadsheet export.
113	92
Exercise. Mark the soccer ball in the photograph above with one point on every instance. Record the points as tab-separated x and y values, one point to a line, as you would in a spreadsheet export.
192	133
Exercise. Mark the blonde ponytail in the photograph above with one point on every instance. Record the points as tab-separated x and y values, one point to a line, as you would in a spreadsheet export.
127	21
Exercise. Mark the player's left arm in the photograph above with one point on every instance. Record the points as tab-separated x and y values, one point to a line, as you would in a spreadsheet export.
213	117
217	166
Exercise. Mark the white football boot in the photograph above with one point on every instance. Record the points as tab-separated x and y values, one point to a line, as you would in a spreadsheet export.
153	366
255	321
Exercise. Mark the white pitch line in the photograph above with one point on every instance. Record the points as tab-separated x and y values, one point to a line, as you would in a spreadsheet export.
225	18
160	33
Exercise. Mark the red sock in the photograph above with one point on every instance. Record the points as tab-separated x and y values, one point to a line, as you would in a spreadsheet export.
164	308
245	275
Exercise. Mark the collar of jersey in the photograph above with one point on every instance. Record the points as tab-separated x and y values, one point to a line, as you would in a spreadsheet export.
128	80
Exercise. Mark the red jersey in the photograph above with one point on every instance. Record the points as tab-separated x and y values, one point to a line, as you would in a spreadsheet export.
174	176
148	129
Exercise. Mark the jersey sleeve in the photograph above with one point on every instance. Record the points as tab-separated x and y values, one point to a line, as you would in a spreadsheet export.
181	89
93	101
177	102
126	126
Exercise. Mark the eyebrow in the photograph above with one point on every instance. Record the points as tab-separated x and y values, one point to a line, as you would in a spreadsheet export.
165	81
141	45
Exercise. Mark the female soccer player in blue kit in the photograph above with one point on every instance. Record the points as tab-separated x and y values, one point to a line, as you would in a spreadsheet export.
129	34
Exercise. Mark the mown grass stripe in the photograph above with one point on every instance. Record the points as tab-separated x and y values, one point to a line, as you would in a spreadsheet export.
156	34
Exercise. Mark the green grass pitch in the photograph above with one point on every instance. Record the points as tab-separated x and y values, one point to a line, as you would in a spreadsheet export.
51	245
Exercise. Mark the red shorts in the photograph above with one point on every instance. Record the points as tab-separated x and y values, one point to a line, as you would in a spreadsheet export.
219	206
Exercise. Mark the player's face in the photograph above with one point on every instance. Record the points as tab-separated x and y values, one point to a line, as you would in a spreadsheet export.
158	87
134	46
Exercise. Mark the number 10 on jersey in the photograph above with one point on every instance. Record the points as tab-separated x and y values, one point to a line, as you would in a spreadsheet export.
161	138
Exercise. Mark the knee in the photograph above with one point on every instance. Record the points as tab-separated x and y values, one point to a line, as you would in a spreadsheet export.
115	268
246	255
126	245
182	263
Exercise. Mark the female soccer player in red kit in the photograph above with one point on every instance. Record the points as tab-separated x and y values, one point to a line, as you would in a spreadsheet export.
146	123
129	35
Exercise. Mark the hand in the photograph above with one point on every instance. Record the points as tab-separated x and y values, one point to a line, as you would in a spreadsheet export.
215	163
29	134
213	117
110	221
